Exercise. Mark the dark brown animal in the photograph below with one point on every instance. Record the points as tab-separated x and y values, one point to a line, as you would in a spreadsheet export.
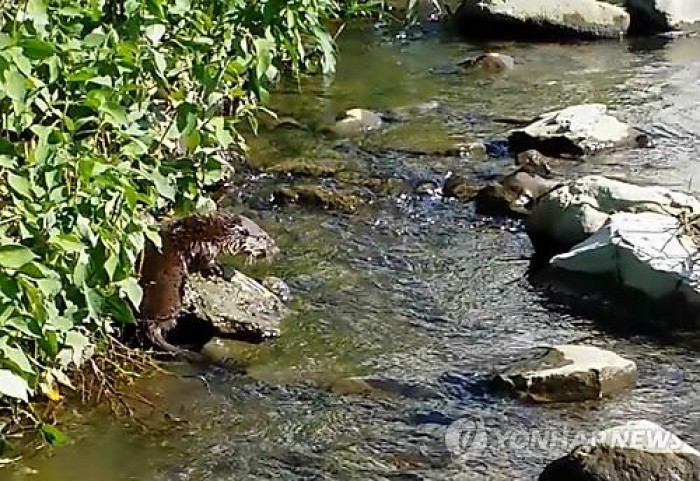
191	244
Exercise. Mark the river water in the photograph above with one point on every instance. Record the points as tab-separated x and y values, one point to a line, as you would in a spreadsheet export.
419	292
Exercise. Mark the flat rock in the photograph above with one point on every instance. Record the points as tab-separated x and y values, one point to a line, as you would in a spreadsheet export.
238	307
570	373
358	122
573	132
341	199
653	16
635	451
646	251
540	19
569	214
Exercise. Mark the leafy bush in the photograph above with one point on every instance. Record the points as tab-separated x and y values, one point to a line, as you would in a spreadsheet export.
112	110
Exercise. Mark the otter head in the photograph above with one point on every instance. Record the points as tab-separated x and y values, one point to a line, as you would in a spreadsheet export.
250	239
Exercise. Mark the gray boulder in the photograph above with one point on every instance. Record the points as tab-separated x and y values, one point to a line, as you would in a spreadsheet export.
573	132
236	307
635	451
652	16
649	252
569	214
540	19
570	373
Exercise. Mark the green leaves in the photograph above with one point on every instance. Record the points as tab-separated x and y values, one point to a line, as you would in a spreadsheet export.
36	12
14	256
15	85
20	185
110	118
14	386
35	49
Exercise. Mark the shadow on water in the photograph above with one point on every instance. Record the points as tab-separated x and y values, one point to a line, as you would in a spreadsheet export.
417	292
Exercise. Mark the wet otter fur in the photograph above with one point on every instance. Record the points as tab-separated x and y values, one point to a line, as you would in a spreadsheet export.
191	244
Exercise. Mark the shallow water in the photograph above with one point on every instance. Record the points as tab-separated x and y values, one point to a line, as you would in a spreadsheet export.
419	291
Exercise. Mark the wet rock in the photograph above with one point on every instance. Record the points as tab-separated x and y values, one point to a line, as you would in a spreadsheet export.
278	287
649	252
569	214
427	187
573	132
490	62
458	187
343	200
534	163
237	307
358	122
392	187
515	195
305	168
570	373
541	19
653	16
635	451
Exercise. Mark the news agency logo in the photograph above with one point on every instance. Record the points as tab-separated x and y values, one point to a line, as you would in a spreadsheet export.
468	439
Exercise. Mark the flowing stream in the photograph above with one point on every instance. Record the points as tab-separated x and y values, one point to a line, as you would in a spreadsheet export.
417	291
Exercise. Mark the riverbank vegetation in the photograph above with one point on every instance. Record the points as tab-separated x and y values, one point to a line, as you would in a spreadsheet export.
113	113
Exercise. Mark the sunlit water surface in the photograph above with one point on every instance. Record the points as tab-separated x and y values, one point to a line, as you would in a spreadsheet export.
419	291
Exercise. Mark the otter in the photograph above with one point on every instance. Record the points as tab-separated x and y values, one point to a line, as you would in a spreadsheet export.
191	244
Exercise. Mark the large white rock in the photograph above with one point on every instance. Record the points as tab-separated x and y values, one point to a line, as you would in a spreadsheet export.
568	215
573	132
662	15
648	252
584	19
635	451
570	373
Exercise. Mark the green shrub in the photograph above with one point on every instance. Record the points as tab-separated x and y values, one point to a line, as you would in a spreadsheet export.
112	110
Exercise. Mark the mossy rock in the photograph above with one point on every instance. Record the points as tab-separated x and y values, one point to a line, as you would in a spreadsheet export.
460	188
305	168
343	200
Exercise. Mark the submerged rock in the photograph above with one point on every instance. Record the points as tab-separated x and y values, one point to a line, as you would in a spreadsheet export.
344	200
568	374
408	112
237	307
380	387
232	354
358	122
540	19
490	62
635	451
460	188
653	16
574	132
649	252
569	214
305	168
